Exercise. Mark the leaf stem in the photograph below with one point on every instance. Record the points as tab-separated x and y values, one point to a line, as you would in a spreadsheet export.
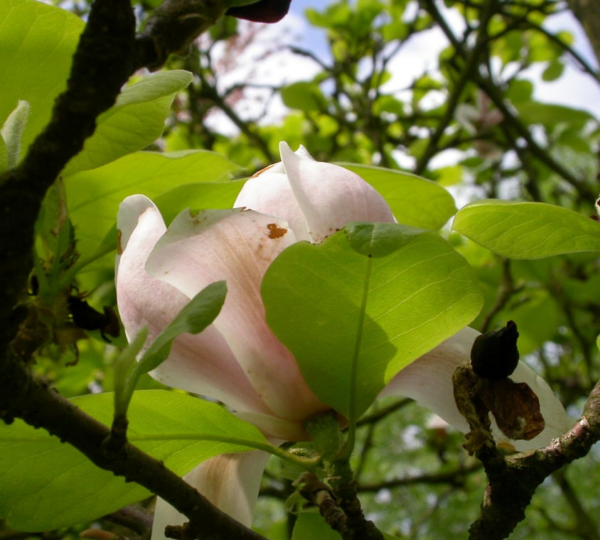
348	448
307	463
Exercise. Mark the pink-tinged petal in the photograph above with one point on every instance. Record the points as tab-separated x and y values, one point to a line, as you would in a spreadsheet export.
238	246
269	192
428	381
202	364
229	481
331	196
274	427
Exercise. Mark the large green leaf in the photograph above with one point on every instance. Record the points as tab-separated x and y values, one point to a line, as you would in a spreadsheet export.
134	122
331	304
37	43
527	230
46	484
415	201
94	196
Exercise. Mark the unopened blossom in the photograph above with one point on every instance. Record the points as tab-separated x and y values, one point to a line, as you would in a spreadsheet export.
237	359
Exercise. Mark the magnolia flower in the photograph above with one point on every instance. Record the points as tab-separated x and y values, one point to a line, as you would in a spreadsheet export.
237	359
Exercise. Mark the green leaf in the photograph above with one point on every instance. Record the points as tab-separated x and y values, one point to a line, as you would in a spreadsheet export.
304	96
46	484
12	132
95	195
553	71
38	42
527	230
418	291
199	196
533	112
134	122
414	201
312	526
449	176
3	156
122	367
201	311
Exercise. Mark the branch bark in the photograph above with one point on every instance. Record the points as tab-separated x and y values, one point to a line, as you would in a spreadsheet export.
107	54
513	480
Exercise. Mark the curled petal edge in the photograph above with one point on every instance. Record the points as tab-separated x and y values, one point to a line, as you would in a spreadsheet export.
428	380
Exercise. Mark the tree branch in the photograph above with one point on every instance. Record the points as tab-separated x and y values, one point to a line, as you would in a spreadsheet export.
509	117
466	74
513	480
107	55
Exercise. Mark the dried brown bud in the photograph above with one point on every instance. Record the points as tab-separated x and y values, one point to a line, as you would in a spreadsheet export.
267	11
516	409
494	355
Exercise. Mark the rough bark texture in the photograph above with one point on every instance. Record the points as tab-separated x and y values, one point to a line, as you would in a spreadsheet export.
107	54
588	15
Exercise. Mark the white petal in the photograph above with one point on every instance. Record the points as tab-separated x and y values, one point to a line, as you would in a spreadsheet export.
428	381
229	481
271	193
331	196
238	246
202	364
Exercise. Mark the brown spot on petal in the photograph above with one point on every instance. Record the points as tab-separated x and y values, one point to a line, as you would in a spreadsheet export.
275	231
258	173
119	248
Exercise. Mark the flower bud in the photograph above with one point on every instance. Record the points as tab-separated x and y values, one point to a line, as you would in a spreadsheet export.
494	355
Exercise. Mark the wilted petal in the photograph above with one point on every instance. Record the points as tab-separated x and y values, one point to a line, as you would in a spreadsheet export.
269	192
202	364
229	481
428	381
331	196
238	246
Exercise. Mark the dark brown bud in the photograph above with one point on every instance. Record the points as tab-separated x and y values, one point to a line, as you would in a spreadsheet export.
267	11
494	355
86	317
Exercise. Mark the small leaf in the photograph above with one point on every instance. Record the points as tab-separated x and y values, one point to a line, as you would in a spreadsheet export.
414	201
38	42
134	122
418	293
202	310
46	484
527	230
122	368
554	71
379	239
12	132
304	96
3	156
